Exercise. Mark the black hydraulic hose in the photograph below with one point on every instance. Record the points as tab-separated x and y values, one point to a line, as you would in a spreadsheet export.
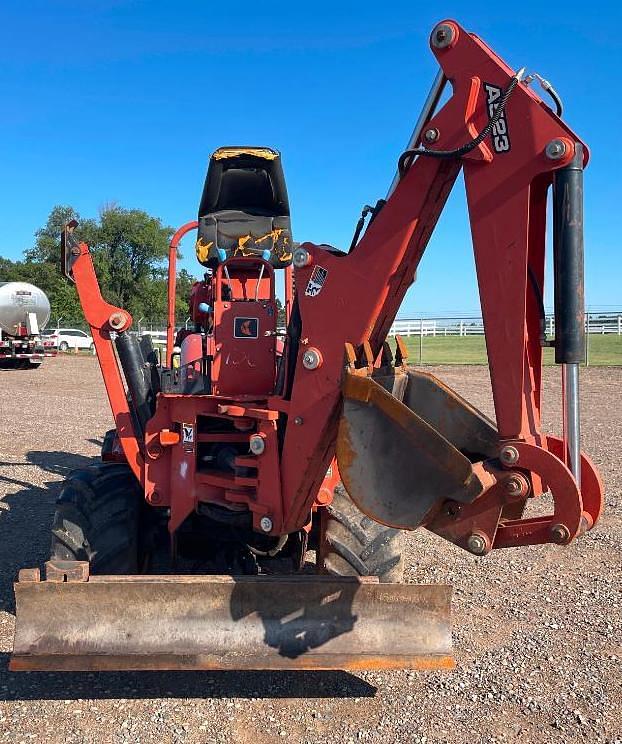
292	344
537	292
361	223
559	106
545	85
407	157
359	226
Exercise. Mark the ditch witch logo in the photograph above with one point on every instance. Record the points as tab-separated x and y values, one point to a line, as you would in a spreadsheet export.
246	328
500	135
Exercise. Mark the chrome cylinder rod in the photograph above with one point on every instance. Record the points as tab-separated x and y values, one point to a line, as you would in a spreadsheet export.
572	433
431	102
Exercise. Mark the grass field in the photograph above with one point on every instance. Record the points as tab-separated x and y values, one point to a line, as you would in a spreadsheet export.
604	351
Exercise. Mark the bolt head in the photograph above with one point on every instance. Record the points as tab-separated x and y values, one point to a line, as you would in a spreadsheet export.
556	149
117	321
431	135
154	450
266	524
515	486
324	496
443	36
477	544
298	420
509	455
257	444
301	258
312	358
560	533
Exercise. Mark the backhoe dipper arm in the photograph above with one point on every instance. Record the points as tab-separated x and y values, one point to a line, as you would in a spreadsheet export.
507	174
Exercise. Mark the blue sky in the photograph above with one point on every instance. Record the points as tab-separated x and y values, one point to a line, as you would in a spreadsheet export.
123	101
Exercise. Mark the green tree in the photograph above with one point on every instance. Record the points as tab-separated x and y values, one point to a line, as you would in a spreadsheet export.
47	238
185	280
63	297
9	270
129	249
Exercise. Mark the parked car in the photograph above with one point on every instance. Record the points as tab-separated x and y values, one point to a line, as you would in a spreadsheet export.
64	339
158	338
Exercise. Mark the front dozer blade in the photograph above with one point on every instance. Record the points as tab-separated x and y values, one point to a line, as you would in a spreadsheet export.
216	622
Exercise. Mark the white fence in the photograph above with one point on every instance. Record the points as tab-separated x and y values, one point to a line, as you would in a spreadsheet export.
604	323
599	323
595	323
438	327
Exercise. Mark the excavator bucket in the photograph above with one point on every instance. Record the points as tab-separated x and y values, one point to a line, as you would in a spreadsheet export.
73	621
406	444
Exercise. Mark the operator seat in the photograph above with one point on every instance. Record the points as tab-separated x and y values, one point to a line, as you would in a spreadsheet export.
244	209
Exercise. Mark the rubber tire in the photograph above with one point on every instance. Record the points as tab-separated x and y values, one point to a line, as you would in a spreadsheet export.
355	545
63	346
97	519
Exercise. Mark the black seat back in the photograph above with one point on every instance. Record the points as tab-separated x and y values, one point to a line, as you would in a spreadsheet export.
244	209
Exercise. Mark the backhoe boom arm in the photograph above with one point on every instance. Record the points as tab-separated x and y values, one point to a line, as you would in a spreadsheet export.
507	176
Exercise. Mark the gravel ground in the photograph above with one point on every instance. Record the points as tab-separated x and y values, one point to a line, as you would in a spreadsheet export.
537	631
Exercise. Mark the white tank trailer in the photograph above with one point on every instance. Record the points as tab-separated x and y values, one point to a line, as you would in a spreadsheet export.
24	311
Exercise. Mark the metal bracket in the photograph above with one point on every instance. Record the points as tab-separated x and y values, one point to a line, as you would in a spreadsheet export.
61	572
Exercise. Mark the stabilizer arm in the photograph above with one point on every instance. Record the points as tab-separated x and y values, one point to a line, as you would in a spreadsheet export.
103	319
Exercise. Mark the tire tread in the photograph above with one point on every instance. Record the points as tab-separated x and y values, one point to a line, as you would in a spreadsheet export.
97	517
355	545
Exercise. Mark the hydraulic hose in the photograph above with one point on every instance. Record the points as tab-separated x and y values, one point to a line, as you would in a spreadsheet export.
407	157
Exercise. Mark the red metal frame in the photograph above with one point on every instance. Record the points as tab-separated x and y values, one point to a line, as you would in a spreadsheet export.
103	319
506	195
289	292
357	303
172	284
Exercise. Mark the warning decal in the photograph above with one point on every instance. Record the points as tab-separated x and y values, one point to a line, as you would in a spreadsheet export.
316	281
187	436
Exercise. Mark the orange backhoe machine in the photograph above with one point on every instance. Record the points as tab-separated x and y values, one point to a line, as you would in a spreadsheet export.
250	445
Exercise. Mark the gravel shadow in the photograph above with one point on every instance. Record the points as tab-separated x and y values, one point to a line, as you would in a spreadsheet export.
157	685
26	516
